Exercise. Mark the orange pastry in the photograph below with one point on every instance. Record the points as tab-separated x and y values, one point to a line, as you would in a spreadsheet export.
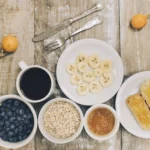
145	91
140	110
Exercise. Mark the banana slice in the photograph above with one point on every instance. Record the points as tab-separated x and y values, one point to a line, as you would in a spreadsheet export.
106	65
82	67
98	72
94	61
83	89
95	87
106	79
72	68
76	79
82	58
88	76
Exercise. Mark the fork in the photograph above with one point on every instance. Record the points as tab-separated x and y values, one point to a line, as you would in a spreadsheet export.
62	40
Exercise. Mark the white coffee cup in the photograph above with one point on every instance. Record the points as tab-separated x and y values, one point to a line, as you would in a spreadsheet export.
25	68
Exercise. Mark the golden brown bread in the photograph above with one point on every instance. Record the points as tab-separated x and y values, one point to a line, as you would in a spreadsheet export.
140	110
145	91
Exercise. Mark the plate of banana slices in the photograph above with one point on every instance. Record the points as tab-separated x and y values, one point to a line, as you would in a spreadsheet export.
89	72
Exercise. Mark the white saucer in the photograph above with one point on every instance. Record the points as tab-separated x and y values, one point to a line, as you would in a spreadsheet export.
131	86
89	47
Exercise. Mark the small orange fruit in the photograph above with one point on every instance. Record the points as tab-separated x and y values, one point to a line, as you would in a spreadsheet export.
9	43
139	21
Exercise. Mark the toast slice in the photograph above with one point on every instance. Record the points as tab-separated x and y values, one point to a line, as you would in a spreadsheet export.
140	110
145	91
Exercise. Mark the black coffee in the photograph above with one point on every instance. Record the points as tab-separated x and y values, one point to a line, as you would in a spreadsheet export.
35	83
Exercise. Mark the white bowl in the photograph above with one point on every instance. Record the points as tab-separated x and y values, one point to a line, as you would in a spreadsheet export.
46	134
102	137
13	145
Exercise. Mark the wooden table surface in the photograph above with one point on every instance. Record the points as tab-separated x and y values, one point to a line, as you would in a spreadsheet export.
27	18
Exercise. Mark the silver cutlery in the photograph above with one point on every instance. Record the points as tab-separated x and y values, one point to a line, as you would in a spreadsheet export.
61	41
66	23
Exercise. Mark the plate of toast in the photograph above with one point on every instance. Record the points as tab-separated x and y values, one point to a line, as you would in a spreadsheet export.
133	104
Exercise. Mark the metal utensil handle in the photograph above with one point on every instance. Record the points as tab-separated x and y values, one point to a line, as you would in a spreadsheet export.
88	25
2	53
98	7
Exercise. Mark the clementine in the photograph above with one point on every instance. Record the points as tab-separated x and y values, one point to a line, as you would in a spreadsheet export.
139	21
9	43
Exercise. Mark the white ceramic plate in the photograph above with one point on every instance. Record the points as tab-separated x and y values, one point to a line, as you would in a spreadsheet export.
89	47
131	86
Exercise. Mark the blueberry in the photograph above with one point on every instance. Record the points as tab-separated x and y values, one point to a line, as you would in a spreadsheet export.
10	113
21	112
28	131
20	138
19	118
6	117
12	126
7	129
4	138
21	122
25	136
17	110
29	116
4	103
30	126
28	111
10	133
10	139
14	114
16	123
20	129
16	103
10	101
12	119
2	133
7	123
13	108
26	121
2	109
3	114
23	106
25	128
8	105
16	131
24	116
14	139
1	123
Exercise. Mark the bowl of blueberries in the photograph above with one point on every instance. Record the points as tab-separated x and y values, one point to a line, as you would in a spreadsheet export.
18	121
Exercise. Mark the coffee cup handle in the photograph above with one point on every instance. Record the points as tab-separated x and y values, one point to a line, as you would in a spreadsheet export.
23	65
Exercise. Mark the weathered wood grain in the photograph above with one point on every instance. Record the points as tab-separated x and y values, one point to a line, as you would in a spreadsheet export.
47	14
134	44
16	18
26	18
58	11
135	54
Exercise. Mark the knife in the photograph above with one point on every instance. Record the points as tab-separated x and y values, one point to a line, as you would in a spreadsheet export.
66	23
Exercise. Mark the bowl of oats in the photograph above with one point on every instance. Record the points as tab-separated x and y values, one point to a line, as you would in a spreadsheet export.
60	120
